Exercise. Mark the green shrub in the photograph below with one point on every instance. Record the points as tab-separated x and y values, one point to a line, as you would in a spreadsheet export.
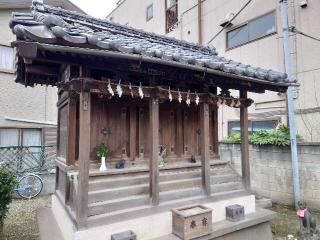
234	138
102	150
279	136
7	184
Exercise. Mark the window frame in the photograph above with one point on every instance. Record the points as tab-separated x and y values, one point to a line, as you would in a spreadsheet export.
4	70
247	24
20	134
149	6
251	122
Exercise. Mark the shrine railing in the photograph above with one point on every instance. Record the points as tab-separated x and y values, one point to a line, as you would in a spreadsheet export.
20	159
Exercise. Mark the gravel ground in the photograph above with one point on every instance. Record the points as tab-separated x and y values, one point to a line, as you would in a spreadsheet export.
21	223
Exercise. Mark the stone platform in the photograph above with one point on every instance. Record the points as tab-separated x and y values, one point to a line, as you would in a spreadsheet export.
254	226
156	224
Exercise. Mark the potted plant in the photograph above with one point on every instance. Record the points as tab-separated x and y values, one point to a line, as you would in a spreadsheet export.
7	184
102	153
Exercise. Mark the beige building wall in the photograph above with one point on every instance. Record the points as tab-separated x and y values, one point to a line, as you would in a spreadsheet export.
266	52
28	105
21	107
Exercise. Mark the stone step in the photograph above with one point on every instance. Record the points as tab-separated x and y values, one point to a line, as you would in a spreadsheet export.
200	197
196	182
109	193
130	172
228	186
118	204
108	183
114	193
196	191
132	212
115	182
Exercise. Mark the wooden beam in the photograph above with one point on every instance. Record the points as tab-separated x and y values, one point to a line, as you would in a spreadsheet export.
84	159
245	165
179	133
42	70
205	149
72	129
154	148
133	132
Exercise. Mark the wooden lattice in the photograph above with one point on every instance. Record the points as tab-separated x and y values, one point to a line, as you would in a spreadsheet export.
27	159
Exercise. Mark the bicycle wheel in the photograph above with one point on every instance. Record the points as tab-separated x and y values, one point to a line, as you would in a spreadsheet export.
29	186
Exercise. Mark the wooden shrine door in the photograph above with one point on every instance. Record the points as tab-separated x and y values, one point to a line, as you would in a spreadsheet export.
167	129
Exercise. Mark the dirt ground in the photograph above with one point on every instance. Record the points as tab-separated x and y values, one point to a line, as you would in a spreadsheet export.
287	223
21	223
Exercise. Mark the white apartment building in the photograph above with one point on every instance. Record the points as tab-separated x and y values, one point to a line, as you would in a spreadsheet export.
28	116
254	37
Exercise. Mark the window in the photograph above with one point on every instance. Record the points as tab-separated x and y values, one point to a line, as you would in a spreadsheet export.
254	125
264	125
6	58
254	29
9	137
171	15
20	137
234	127
149	12
237	36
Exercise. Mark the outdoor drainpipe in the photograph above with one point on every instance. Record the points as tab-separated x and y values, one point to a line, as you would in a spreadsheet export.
199	22
292	125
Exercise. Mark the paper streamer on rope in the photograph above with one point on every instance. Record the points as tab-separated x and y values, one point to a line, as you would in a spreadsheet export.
221	100
188	101
110	89
179	96
197	99
170	95
141	92
131	92
119	89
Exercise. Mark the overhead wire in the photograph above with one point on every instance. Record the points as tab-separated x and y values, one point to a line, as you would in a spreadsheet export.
229	22
293	29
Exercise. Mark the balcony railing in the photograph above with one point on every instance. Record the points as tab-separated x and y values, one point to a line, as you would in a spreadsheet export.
171	18
22	159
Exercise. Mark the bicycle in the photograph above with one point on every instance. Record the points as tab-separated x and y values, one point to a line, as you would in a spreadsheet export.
29	186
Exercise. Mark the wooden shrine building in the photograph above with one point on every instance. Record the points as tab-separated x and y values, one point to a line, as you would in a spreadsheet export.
139	93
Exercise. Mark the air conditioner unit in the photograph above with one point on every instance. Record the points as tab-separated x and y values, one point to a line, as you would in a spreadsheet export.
303	3
226	21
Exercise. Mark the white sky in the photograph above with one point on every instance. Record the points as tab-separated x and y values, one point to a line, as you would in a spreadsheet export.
96	8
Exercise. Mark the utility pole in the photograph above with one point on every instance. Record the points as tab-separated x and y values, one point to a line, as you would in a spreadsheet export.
290	104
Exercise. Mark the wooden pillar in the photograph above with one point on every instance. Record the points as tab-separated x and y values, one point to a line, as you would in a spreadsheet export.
245	165
72	129
205	149
154	148
133	132
179	133
215	126
84	159
215	129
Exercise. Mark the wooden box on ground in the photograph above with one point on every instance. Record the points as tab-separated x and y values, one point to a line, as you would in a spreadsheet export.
192	221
